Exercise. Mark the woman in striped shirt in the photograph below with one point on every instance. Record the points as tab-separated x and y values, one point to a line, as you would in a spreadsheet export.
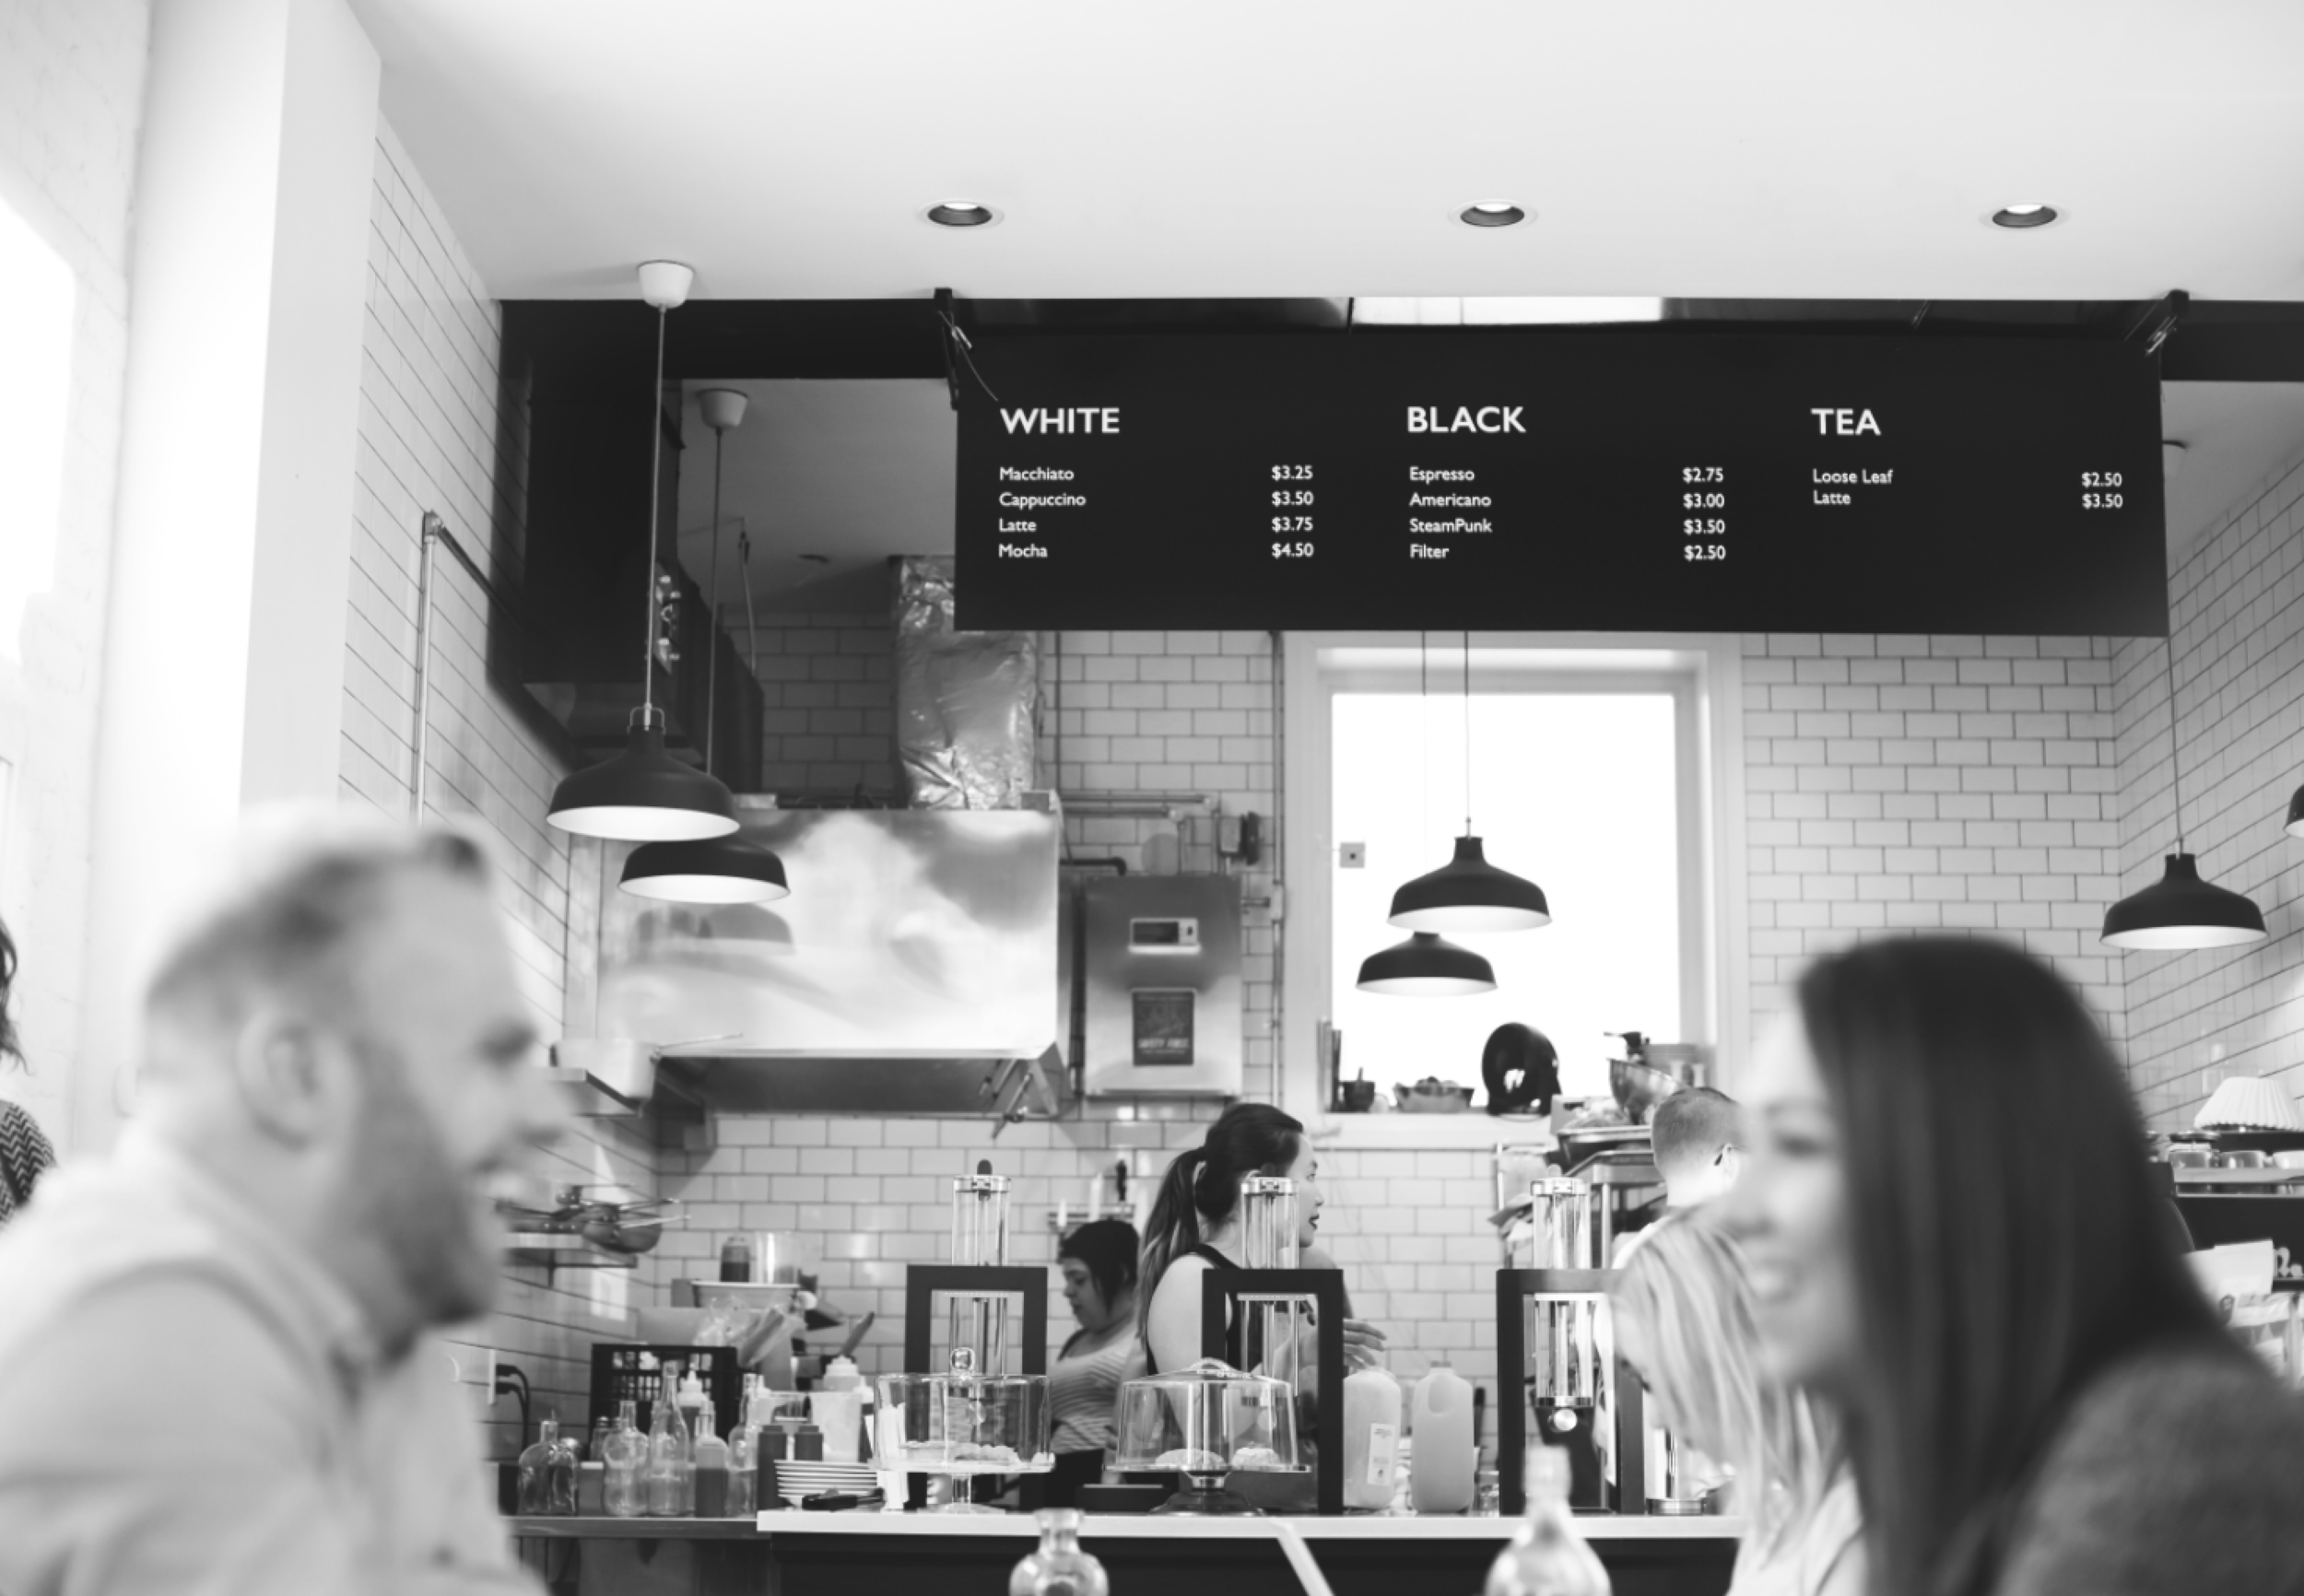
25	1154
1099	1261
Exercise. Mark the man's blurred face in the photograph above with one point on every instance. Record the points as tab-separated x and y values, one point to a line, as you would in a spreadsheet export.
449	1094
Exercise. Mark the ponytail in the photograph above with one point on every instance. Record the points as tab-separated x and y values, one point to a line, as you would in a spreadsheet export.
1202	1187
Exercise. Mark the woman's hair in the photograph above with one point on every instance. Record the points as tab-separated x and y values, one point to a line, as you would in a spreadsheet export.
8	1047
1688	1289
1106	1249
1202	1187
2007	1241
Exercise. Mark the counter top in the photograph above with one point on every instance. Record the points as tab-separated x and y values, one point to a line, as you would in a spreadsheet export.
1597	1527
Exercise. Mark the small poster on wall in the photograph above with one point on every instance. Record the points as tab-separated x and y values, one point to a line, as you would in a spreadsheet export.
1163	1025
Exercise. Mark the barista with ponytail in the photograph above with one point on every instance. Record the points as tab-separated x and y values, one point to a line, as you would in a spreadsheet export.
1194	1226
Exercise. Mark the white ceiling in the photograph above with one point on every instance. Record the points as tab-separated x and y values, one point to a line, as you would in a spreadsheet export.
1773	150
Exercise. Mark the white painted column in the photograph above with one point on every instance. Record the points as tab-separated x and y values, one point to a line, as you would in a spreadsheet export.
224	650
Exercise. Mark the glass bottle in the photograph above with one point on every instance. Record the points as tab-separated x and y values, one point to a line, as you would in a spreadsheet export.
690	1426
626	1453
1057	1566
1548	1555
547	1475
710	1466
668	1462
744	1464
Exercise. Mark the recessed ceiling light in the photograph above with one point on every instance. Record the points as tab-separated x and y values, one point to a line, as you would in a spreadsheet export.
818	559
1491	214
2023	215
960	213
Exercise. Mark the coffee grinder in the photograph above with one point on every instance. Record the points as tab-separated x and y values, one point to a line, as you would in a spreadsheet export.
1557	1303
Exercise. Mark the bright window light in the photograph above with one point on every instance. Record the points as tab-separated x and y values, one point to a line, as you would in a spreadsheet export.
1553	311
37	295
1576	792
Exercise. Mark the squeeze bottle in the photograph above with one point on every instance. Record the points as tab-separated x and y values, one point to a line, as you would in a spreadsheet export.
1443	1480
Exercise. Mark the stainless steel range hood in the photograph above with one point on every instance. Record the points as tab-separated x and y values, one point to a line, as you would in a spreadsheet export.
1005	1089
912	971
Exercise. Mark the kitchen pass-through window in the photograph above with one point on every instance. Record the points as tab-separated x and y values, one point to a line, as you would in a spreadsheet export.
1582	771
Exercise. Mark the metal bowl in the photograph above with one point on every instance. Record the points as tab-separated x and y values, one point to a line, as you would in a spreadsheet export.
1638	1088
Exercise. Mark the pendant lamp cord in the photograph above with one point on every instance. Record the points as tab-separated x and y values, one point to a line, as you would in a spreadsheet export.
2175	758
655	490
1424	719
712	668
1467	734
751	622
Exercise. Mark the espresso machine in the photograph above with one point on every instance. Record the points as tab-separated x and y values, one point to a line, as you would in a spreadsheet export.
1556	1337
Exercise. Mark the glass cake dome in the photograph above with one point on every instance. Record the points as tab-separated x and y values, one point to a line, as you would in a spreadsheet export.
964	1425
1205	1422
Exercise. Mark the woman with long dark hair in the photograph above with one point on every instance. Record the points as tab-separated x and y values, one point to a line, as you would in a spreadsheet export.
1194	1226
25	1154
1956	1242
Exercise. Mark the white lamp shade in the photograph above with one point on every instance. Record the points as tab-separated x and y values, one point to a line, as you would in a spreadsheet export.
2251	1102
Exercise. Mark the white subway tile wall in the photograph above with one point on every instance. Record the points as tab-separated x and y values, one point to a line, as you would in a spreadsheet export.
1929	784
433	437
827	703
72	77
2237	613
1892	784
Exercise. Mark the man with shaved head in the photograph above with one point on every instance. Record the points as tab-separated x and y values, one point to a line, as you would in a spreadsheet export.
215	1375
1697	1138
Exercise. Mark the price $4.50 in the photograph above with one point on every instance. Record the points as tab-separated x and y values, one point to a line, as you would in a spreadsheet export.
1291	551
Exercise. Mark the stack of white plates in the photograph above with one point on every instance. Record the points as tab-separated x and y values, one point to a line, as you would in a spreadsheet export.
2249	1102
794	1481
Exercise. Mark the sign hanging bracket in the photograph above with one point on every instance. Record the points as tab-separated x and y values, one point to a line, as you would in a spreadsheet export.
956	351
2155	325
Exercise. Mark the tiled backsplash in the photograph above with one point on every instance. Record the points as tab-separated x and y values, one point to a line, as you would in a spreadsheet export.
430	440
874	1195
1938	783
2237	604
1891	783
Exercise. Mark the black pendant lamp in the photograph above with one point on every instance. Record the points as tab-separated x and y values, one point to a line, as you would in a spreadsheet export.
1427	966
2180	910
2295	814
644	795
1468	894
718	869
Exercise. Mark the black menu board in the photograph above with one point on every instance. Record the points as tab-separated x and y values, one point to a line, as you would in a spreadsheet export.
1603	482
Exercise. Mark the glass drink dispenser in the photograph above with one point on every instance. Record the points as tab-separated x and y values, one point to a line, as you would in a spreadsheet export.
980	1239
1268	1336
1571	1365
